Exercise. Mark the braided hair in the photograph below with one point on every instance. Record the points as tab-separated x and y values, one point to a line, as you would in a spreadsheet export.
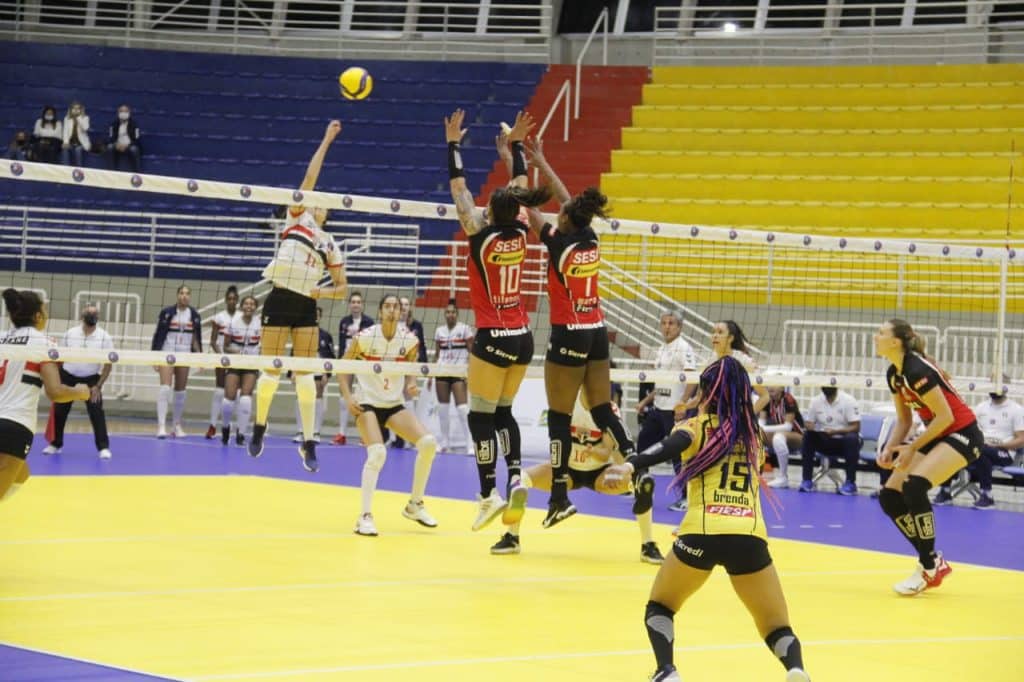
726	388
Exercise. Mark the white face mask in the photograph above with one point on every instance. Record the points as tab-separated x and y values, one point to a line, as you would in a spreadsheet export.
48	117
123	115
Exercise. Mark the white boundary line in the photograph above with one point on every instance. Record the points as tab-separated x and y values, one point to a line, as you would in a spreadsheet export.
411	665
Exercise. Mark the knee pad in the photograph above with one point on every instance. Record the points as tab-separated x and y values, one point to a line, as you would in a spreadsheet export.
503	415
779	446
891	502
426	446
559	424
506	402
463	409
653	615
376	454
916	488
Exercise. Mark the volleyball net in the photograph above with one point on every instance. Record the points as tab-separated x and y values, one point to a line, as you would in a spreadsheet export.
810	303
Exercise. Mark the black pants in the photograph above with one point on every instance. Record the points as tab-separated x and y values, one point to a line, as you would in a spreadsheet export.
95	409
846	446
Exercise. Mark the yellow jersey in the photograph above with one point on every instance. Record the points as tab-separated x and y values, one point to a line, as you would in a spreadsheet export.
725	498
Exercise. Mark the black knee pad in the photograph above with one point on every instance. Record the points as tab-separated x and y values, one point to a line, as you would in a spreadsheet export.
892	503
559	424
915	489
656	609
481	424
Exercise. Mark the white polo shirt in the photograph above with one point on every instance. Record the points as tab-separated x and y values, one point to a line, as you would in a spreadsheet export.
999	422
675	356
836	415
76	338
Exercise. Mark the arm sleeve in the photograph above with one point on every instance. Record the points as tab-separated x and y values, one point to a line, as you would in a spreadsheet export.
674	446
161	332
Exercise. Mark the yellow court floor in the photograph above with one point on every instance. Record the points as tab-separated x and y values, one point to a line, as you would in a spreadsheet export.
247	578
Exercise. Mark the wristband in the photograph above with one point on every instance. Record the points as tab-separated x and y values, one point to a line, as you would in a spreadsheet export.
455	169
518	159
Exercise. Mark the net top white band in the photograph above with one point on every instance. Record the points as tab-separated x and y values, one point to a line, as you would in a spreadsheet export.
211	189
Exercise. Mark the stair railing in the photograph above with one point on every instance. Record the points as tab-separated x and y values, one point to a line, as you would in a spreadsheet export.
602	18
564	93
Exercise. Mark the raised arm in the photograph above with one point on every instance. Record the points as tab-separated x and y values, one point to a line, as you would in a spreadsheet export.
535	148
471	219
511	150
317	162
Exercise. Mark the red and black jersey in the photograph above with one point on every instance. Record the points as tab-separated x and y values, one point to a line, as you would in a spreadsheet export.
574	259
497	257
918	377
777	411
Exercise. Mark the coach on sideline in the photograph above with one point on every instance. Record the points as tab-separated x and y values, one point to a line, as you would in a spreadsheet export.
88	335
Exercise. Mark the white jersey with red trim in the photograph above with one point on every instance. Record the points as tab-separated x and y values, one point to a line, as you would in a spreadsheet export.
244	338
453	343
371	344
585	437
303	255
179	332
20	383
220	322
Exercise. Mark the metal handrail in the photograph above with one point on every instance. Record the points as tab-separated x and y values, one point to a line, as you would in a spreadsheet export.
603	17
563	92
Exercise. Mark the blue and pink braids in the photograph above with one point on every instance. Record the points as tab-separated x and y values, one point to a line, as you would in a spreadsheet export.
726	390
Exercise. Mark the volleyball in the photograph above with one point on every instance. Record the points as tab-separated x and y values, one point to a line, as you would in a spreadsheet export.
355	82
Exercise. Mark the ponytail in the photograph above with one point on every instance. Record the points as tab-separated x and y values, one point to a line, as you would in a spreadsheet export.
22	306
505	202
914	342
583	207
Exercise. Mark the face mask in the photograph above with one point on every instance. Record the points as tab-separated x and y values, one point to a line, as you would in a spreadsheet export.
47	117
996	397
830	393
123	115
90	318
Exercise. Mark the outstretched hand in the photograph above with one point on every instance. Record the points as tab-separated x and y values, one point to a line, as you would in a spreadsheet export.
453	130
522	127
333	128
501	144
535	150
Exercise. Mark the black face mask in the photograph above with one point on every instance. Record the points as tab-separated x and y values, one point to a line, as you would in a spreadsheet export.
996	397
90	318
830	393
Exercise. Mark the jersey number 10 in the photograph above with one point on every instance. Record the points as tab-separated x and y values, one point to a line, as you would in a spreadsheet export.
510	276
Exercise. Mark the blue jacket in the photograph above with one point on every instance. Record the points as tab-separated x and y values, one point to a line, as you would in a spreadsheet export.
163	326
343	337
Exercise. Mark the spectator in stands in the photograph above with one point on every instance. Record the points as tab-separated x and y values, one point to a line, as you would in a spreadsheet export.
832	429
662	404
19	149
47	136
784	424
1002	423
75	136
350	325
123	137
87	335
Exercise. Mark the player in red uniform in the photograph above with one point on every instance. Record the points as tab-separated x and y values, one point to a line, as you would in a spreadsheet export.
578	354
951	441
503	345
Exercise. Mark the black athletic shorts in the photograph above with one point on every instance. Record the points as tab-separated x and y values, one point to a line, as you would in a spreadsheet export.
286	308
504	347
576	347
450	380
238	372
967	442
383	414
740	554
15	439
585	479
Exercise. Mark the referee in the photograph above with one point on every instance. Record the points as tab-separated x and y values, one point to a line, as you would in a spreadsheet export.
88	335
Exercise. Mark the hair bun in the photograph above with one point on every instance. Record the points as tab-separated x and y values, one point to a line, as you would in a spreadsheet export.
12	299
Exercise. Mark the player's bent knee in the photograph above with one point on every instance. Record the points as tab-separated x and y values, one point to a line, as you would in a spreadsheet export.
916	487
376	455
426	446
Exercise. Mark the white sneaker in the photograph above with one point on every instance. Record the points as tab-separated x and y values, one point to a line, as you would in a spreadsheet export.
779	481
365	526
105	453
316	437
297	438
797	675
488	509
179	432
50	450
161	433
414	511
914	584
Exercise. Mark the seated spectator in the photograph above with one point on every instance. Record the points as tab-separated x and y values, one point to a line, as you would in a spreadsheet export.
123	140
76	136
47	136
832	429
784	424
1002	422
19	149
